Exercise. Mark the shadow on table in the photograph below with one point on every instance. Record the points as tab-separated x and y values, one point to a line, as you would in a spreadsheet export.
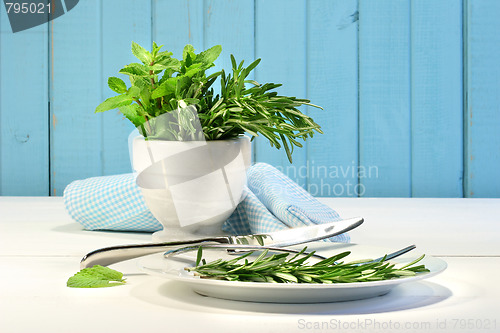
408	296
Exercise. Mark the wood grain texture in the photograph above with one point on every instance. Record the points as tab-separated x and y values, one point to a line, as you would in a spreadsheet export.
230	24
75	90
122	23
384	97
24	144
482	140
436	98
177	23
332	77
280	40
411	91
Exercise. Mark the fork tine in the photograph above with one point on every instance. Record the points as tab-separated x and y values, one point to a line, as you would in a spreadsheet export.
392	255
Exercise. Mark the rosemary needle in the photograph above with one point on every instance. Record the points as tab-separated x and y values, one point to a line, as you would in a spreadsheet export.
278	268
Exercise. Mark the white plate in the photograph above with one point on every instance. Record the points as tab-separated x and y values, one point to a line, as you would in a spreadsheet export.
173	268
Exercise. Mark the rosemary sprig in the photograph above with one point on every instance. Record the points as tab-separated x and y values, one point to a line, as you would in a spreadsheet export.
278	268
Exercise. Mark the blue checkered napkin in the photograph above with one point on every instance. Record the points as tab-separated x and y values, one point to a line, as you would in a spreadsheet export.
109	203
274	202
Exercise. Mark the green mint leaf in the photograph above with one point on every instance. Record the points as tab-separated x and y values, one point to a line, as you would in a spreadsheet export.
117	85
169	62
96	277
182	84
131	112
139	81
188	50
140	53
158	67
145	96
188	61
114	102
166	63
210	55
133	92
193	69
166	88
135	69
156	49
164	58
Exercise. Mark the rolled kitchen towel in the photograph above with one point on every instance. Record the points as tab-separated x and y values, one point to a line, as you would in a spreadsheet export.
274	202
109	203
271	202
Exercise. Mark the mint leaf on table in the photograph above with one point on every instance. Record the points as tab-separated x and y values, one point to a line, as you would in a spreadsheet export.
96	277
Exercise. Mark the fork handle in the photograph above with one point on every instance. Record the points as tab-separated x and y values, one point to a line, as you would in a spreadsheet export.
113	254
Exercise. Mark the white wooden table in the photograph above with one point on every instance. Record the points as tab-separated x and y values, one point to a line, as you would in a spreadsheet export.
40	247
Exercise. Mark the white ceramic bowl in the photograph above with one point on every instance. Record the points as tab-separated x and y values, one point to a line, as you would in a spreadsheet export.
191	187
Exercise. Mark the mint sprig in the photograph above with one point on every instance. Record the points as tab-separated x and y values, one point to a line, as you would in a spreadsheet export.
96	277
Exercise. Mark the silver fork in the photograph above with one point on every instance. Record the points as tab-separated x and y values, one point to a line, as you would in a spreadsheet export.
245	247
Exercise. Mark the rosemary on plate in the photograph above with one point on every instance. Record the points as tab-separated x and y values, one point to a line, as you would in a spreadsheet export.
278	268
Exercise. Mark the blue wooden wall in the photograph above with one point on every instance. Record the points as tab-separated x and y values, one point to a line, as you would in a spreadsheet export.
410	89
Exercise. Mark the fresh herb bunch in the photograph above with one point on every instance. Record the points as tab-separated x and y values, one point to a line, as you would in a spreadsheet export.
161	84
277	268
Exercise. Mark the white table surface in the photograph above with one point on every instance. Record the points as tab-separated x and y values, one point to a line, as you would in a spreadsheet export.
40	248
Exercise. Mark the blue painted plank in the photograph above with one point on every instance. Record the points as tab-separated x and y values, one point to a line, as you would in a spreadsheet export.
122	23
24	152
436	98
332	77
482	141
384	100
280	40
230	24
177	23
76	89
